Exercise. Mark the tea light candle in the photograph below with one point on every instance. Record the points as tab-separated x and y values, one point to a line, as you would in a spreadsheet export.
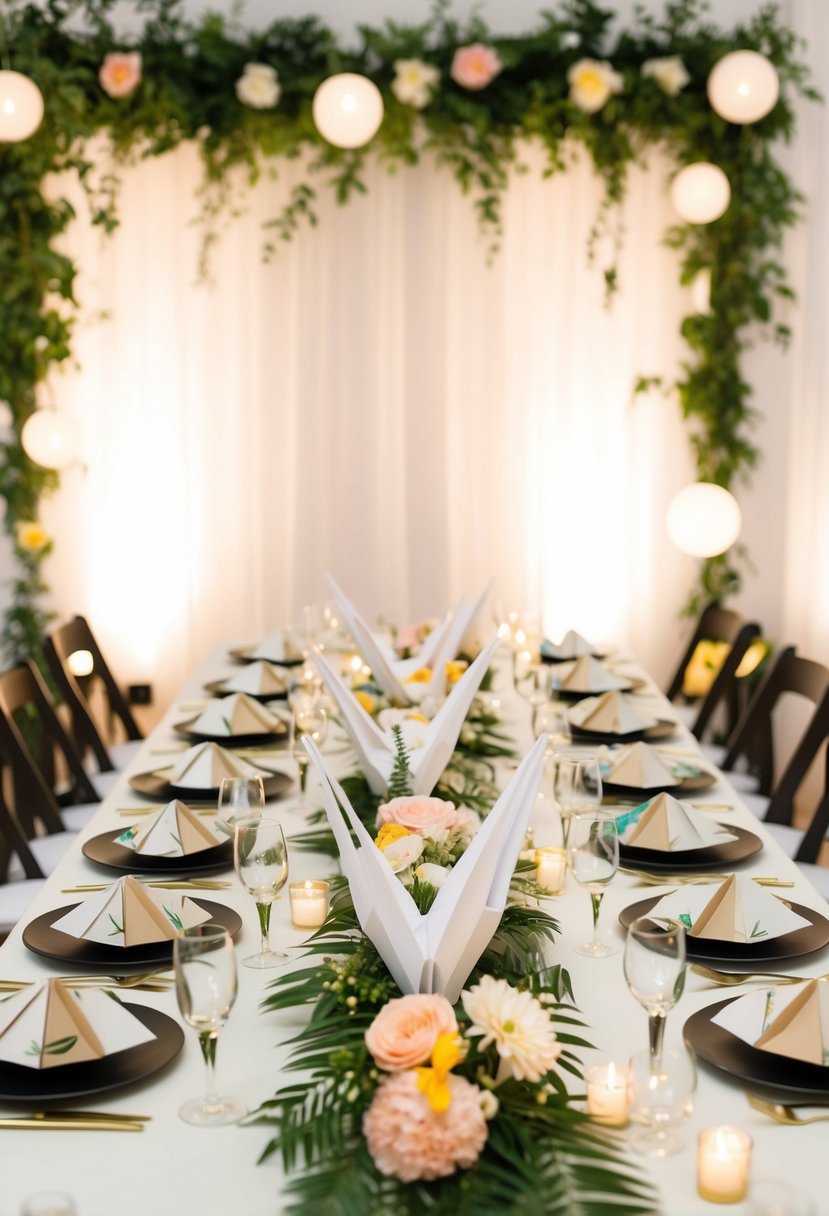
723	1160
309	903
550	868
607	1098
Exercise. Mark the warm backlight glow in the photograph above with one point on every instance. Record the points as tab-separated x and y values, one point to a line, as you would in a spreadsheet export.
703	519
348	110
743	87
700	193
50	438
21	107
80	662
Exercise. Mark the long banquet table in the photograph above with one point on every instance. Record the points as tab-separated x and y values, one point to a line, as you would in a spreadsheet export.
172	1167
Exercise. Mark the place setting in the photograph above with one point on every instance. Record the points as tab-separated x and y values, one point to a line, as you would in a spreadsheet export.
666	834
282	648
238	720
197	775
177	839
259	679
639	770
614	718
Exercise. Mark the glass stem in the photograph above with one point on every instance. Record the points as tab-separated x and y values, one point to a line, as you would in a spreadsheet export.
207	1042
656	1036
565	830
596	900
264	911
303	776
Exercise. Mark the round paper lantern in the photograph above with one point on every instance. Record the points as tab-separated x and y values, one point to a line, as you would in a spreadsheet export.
50	438
700	193
21	107
743	87
80	662
347	110
703	519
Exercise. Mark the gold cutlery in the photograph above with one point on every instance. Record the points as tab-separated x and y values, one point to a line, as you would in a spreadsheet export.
171	884
73	1123
199	808
712	806
730	979
153	981
690	879
106	1115
782	1113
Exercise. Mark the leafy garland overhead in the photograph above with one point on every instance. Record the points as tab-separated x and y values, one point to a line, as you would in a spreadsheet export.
186	81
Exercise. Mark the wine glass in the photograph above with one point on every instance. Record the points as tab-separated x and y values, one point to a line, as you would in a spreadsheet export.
577	786
205	969
260	857
550	718
655	971
593	854
660	1096
239	798
309	718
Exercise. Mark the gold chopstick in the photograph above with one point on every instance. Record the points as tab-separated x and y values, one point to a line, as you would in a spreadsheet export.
183	884
89	1115
45	1124
199	808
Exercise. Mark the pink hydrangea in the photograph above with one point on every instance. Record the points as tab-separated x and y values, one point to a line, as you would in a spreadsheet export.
405	1030
475	66
419	814
409	1141
120	73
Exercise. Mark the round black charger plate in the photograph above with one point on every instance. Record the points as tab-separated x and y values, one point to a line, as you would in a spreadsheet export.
725	853
688	785
161	789
731	1055
42	938
20	1084
806	940
105	850
663	729
572	694
217	688
279	734
244	654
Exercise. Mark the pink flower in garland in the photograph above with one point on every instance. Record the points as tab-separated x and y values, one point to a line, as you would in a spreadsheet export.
475	66
120	73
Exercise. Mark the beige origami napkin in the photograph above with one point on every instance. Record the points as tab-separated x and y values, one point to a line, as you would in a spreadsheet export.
673	827
571	646
238	714
736	910
612	712
131	914
790	1020
259	679
282	646
640	767
205	766
589	675
49	1024
174	832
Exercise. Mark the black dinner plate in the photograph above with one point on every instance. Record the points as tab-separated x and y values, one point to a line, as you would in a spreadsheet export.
662	729
244	654
811	937
20	1084
105	850
553	659
216	688
725	853
572	694
42	938
159	788
731	1055
688	785
278	734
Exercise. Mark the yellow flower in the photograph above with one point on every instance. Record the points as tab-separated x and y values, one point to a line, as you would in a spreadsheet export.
592	83
422	676
454	671
367	701
417	717
31	536
449	1050
390	832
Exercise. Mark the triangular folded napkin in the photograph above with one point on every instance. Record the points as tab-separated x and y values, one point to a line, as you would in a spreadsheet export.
571	646
736	910
46	1025
205	766
238	714
131	914
640	767
174	832
259	679
611	713
589	675
437	739
434	952
791	1021
283	646
673	827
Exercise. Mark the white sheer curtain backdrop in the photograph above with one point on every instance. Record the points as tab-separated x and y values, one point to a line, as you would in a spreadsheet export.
379	402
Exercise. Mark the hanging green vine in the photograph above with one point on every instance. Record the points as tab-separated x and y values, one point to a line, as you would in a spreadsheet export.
191	83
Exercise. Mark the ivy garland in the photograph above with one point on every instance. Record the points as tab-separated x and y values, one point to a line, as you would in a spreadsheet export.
187	92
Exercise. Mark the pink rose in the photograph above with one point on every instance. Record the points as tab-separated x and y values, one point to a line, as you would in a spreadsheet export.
476	66
418	814
406	1029
120	73
409	1141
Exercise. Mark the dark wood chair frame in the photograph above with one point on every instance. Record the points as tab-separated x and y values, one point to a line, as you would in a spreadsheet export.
716	624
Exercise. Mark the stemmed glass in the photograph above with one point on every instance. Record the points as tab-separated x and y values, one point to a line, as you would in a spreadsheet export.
660	1096
260	857
205	969
550	718
239	798
593	854
577	786
309	718
655	971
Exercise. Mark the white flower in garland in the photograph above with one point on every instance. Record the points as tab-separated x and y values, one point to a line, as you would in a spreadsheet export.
516	1023
258	86
414	82
435	875
592	83
404	852
669	73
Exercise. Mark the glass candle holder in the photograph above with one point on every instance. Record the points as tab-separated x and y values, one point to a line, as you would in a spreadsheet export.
607	1098
309	903
551	868
723	1163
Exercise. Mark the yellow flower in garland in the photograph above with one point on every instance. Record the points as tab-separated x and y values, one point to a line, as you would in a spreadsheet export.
367	701
388	833
454	671
422	676
433	1083
32	536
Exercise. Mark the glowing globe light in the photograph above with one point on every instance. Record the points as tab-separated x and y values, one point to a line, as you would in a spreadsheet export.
347	110
80	662
700	193
21	107
743	87
50	439
703	519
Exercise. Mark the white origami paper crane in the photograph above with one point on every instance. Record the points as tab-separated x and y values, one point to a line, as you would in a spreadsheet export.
435	952
390	674
376	747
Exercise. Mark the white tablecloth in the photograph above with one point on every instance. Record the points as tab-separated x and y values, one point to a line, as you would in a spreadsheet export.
172	1169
